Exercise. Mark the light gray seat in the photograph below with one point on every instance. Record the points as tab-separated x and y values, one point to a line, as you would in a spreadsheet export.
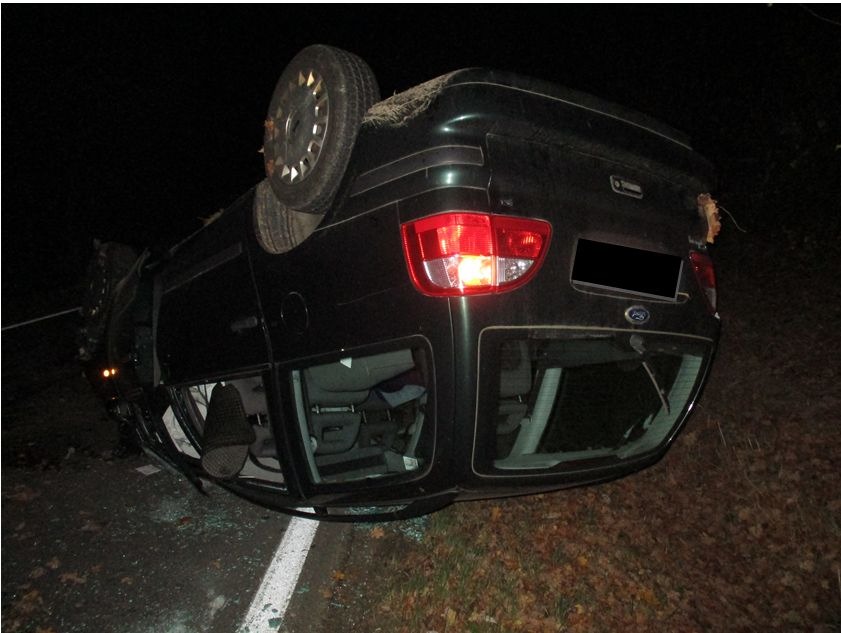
334	390
349	380
514	382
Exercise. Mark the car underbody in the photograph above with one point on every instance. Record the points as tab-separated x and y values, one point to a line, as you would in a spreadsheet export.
502	288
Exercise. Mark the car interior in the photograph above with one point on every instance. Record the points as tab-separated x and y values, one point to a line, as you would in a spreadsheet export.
359	417
364	416
568	400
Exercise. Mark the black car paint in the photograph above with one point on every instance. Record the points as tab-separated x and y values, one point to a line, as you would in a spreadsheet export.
488	142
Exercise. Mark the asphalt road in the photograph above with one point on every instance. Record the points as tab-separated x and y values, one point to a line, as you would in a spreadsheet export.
92	542
100	546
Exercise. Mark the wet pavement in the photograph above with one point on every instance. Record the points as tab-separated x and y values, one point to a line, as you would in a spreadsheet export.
99	546
92	542
89	541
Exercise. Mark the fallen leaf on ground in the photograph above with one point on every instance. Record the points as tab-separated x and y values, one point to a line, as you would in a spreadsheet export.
29	601
481	617
337	575
72	577
24	494
377	532
648	596
450	615
54	563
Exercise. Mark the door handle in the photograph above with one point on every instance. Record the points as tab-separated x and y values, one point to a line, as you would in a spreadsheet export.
245	323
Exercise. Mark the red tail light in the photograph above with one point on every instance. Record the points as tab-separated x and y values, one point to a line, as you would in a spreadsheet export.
704	271
462	253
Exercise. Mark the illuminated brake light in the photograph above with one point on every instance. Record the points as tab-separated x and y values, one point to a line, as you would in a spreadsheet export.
462	253
702	266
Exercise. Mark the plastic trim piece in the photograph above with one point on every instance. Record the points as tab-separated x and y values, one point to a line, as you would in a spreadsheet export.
419	161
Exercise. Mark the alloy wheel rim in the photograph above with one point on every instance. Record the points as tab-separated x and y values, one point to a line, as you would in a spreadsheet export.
298	127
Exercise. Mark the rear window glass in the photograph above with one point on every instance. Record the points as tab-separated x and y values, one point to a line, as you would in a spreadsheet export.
549	398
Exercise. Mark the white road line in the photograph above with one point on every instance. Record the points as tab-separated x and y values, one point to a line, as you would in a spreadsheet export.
272	598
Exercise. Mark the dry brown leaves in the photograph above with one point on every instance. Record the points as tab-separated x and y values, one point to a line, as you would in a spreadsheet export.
72	578
22	494
713	538
708	209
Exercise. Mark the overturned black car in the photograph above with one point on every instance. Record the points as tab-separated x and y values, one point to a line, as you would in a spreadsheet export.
484	286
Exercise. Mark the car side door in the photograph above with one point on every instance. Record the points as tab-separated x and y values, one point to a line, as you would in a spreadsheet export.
209	322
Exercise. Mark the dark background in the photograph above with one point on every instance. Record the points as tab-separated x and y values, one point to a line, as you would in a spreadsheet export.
129	124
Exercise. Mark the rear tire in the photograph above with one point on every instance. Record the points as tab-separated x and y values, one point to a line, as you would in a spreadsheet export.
277	227
314	115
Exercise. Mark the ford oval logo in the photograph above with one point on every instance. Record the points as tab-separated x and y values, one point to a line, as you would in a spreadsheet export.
637	315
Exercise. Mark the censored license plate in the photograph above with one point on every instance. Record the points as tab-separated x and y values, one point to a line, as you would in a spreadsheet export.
615	267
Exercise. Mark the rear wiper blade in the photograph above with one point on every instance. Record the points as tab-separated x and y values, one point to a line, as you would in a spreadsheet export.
660	393
638	345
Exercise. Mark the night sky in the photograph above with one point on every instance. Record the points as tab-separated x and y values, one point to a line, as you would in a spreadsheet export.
129	124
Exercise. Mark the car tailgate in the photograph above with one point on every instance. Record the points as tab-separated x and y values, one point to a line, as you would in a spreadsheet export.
587	193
